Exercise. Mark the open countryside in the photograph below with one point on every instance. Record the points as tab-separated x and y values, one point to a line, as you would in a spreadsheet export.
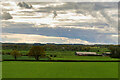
59	40
25	64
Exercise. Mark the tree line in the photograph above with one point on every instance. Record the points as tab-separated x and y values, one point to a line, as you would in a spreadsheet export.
115	51
52	47
39	51
36	52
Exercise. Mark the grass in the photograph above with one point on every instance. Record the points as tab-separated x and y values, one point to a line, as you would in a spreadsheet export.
61	55
9	57
99	58
0	70
14	69
101	50
24	69
10	50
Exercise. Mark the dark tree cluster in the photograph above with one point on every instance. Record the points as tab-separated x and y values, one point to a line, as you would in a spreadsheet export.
53	47
16	46
66	48
115	52
37	52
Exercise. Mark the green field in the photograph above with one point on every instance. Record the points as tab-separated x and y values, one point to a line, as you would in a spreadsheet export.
61	55
0	70
99	58
95	58
24	69
14	69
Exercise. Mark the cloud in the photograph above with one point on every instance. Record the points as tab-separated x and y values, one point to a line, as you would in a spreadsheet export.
91	35
91	22
25	5
6	16
30	38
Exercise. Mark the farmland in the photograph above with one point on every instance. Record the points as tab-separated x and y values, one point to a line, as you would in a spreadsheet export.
26	66
14	69
62	55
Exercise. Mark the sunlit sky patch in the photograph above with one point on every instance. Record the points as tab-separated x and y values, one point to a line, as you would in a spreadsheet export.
61	23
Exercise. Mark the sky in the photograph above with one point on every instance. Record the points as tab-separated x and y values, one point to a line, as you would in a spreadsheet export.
60	22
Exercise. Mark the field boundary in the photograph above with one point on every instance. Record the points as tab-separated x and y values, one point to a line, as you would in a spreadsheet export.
67	60
60	79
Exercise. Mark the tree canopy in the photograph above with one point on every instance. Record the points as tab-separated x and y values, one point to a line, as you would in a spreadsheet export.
115	52
37	52
15	53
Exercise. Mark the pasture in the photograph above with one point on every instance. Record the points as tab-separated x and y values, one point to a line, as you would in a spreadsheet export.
61	55
99	58
29	69
21	69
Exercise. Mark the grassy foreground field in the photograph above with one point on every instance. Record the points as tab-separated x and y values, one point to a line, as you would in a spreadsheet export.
0	70
14	69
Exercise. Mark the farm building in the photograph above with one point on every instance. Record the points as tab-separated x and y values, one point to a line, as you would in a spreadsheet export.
86	53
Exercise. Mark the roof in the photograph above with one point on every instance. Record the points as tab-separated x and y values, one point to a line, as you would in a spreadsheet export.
86	52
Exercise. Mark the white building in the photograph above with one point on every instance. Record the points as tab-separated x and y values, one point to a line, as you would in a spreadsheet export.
86	53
